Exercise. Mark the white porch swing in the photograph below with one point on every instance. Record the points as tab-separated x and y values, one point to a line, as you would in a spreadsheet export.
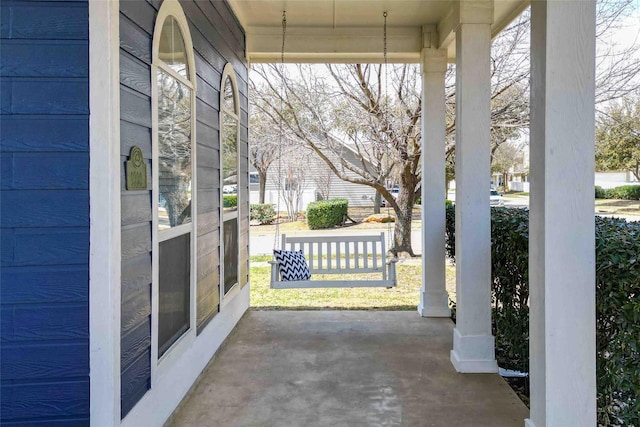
330	255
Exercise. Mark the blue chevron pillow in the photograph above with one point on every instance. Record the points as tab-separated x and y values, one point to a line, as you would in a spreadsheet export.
292	265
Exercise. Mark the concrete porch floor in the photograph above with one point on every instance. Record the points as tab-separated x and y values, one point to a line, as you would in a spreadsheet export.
344	368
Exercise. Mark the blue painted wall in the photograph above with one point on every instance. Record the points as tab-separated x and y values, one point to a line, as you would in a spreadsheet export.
44	198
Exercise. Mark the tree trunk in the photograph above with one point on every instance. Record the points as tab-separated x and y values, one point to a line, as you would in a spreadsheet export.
402	235
377	201
404	213
262	175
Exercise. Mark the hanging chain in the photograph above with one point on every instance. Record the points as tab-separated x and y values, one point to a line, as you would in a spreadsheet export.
386	123
280	142
284	34
384	14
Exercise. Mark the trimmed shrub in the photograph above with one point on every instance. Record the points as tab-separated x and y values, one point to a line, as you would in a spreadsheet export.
625	192
229	201
510	290
601	193
618	321
263	213
326	213
450	229
617	305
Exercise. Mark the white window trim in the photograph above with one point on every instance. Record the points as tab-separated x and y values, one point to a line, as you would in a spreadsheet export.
162	365
230	73
104	213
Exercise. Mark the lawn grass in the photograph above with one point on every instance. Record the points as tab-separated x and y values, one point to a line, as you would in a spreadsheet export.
617	206
405	296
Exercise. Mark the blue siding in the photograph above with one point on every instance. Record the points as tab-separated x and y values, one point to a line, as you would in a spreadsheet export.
44	153
44	133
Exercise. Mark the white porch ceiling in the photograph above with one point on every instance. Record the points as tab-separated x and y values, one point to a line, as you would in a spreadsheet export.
352	30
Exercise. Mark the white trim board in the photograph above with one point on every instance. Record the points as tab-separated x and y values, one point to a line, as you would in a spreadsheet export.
104	212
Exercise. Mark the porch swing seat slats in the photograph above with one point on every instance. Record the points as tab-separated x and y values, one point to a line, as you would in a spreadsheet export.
344	255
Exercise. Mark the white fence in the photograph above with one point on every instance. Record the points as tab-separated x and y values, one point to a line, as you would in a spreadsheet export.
519	186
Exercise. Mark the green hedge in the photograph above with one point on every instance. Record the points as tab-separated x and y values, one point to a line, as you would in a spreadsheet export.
326	213
229	201
601	193
617	305
450	229
618	320
264	213
625	192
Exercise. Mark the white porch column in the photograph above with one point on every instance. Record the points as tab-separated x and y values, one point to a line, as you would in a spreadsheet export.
473	344
562	242
434	299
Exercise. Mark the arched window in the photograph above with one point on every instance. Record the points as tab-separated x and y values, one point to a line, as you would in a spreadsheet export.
173	169
230	173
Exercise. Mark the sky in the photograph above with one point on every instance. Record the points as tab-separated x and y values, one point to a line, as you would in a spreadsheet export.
630	29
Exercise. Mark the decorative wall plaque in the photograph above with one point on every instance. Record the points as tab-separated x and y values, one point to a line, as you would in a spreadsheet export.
136	170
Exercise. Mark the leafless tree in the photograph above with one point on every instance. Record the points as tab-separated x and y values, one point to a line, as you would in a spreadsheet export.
617	72
291	179
264	140
323	181
375	110
368	110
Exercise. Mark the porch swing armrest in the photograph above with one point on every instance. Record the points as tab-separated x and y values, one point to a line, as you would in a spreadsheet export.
274	271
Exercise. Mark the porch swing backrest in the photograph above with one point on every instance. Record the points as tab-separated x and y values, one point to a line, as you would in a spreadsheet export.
340	255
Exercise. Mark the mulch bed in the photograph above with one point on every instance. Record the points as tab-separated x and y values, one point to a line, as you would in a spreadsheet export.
521	387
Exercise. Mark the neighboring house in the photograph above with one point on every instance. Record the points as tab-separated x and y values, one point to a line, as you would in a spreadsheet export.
122	271
316	180
615	179
517	177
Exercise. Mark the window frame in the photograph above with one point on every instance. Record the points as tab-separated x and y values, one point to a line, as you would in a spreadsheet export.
229	73
172	8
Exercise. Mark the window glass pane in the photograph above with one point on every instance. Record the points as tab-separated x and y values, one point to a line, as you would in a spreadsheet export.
230	253
230	179
172	49
229	101
174	290
174	152
229	162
